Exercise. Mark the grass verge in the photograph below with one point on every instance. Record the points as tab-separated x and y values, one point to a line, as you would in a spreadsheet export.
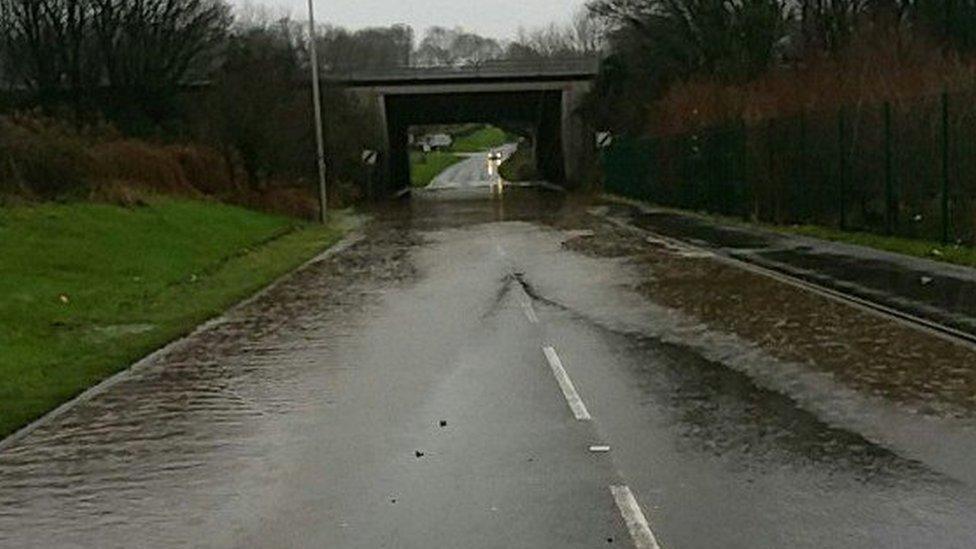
928	249
425	167
482	139
87	289
959	255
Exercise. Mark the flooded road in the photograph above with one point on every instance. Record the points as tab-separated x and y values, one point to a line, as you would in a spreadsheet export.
444	381
474	171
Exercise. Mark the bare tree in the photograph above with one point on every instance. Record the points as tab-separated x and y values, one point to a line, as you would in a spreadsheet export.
584	35
148	48
342	49
589	32
68	51
48	46
442	46
731	39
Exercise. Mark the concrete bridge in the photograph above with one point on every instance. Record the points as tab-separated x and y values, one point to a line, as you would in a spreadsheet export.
540	96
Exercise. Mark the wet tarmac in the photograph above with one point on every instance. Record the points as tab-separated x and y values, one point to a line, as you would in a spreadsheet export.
474	171
397	394
937	291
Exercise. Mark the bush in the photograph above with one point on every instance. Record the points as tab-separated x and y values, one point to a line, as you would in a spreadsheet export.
205	169
42	158
139	163
39	157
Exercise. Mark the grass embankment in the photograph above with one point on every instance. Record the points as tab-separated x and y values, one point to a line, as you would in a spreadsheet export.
959	255
928	249
424	167
480	140
86	289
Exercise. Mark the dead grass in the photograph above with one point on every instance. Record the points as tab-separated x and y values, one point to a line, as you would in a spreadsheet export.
43	158
40	160
294	201
141	164
883	64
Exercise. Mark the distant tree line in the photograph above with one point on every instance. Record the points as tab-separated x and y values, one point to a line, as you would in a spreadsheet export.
123	51
655	44
197	70
130	58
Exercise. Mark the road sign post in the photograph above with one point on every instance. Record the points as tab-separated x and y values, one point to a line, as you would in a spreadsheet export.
946	212
369	159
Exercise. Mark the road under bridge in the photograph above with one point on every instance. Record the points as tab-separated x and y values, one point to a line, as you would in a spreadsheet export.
542	97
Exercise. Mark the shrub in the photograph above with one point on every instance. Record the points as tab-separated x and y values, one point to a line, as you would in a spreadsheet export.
140	163
205	169
39	157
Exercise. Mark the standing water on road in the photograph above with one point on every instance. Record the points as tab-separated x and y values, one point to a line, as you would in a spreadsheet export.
420	388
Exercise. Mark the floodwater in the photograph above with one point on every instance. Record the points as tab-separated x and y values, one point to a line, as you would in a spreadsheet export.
396	394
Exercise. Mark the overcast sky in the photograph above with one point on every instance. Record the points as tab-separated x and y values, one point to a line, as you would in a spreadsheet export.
496	18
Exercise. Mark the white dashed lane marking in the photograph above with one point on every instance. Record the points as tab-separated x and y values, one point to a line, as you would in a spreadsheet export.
640	530
566	384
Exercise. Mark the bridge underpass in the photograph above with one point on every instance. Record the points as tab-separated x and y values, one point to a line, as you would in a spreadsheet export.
540	98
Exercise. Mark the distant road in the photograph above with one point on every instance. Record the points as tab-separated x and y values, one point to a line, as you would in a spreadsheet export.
472	172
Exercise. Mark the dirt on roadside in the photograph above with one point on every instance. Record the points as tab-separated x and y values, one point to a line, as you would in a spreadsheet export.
861	350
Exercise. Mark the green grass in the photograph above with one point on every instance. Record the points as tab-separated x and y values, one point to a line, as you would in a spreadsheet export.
482	139
87	289
425	167
958	255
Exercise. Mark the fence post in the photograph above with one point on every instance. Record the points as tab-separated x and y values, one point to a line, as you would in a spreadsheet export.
744	171
771	159
945	167
842	167
803	208
889	184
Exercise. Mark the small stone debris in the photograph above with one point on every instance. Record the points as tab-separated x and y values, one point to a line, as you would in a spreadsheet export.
419	454
926	280
64	298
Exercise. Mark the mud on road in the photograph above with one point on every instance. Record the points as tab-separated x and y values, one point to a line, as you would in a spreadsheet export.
871	354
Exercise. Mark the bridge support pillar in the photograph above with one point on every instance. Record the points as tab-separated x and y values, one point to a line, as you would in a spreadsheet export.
578	148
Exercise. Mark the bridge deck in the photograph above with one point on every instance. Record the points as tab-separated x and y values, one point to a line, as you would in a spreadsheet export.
494	71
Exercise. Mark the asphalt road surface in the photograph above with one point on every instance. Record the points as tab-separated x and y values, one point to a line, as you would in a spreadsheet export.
471	172
446	381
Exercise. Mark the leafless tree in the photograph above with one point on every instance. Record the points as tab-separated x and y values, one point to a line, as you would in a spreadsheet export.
589	32
153	44
341	49
584	35
47	46
443	46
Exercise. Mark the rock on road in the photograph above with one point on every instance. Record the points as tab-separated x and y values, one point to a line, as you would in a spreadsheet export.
426	387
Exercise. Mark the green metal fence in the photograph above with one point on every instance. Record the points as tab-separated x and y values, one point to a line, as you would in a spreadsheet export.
903	168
